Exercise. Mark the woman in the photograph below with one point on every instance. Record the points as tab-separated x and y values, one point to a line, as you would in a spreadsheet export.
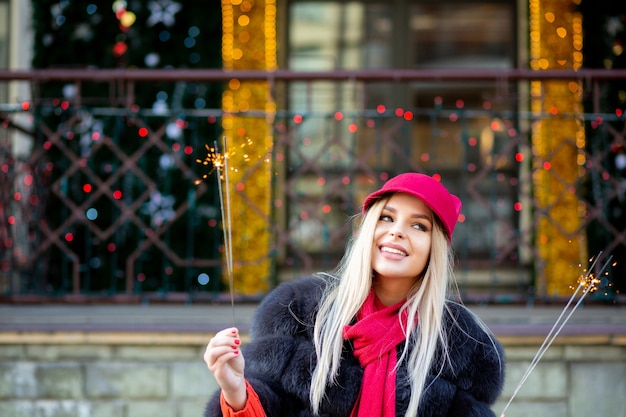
380	337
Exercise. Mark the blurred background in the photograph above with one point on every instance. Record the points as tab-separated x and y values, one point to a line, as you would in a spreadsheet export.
116	118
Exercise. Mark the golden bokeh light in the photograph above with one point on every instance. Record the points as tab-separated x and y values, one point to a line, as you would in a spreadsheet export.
251	184
558	142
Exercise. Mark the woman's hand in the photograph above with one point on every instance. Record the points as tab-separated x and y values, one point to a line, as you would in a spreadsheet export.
224	359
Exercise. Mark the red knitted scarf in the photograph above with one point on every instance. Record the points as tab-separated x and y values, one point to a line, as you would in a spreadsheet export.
375	336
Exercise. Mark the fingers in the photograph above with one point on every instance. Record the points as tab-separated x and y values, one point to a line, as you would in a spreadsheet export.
226	337
224	359
223	347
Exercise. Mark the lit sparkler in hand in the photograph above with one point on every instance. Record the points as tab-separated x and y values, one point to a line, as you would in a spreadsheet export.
219	162
589	282
222	163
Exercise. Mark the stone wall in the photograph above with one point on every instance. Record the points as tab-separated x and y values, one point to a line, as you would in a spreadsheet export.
154	375
575	378
103	380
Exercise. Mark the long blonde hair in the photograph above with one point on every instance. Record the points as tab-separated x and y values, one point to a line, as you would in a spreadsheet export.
346	293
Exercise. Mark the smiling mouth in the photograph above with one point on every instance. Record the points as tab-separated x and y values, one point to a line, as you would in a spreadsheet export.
393	250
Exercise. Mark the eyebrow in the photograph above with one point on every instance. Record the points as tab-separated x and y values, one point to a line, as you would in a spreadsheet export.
414	215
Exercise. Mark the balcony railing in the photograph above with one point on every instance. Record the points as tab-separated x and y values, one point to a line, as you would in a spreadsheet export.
99	200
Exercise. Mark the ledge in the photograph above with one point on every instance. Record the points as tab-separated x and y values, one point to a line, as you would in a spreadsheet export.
194	338
194	324
103	338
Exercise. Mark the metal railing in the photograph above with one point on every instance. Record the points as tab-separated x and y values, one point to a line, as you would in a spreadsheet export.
103	205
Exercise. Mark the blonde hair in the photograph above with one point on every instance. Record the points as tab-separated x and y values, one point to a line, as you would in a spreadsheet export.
348	290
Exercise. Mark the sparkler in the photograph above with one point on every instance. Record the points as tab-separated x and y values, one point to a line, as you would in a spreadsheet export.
589	282
219	162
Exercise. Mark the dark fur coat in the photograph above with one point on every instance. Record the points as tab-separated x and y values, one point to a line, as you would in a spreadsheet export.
280	358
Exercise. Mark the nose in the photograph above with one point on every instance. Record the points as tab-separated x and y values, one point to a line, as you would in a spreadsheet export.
396	231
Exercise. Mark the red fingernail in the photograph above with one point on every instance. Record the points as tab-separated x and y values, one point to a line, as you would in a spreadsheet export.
237	341
234	347
236	352
234	331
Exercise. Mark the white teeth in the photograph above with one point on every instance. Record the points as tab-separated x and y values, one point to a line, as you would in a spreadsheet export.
392	250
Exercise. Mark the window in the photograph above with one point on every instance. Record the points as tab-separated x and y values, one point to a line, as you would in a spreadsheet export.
403	34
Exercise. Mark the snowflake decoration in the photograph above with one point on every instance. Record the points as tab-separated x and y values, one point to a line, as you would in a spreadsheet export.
90	130
83	32
160	208
163	11
614	25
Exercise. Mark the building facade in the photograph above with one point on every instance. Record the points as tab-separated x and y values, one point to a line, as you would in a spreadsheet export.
332	99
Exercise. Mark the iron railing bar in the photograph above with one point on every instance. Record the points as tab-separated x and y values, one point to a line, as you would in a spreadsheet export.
394	75
372	113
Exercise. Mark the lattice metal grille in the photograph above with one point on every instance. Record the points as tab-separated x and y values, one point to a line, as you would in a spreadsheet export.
128	222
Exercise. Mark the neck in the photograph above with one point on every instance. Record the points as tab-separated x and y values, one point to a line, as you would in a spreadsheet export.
390	293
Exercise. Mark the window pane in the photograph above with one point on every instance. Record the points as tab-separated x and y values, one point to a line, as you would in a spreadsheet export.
462	35
326	35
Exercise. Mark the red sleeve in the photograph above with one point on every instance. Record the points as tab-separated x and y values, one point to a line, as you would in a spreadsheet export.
253	406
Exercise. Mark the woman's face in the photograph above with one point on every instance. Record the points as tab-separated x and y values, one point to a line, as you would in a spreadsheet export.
402	238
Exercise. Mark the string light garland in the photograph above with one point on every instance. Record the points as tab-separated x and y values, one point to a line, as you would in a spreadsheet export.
249	43
558	142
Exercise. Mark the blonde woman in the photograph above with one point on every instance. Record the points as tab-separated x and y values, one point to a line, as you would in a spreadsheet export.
380	337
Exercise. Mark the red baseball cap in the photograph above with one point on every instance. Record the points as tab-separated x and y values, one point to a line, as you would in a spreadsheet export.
445	205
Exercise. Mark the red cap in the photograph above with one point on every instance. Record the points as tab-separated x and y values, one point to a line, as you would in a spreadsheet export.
445	205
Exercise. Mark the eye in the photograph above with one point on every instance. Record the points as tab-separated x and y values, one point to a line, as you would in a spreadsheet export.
420	226
385	218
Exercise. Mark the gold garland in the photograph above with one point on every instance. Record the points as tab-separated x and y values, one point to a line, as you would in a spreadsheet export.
249	43
558	145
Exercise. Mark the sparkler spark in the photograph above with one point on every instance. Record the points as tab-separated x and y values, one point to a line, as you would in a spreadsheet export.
218	161
588	283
